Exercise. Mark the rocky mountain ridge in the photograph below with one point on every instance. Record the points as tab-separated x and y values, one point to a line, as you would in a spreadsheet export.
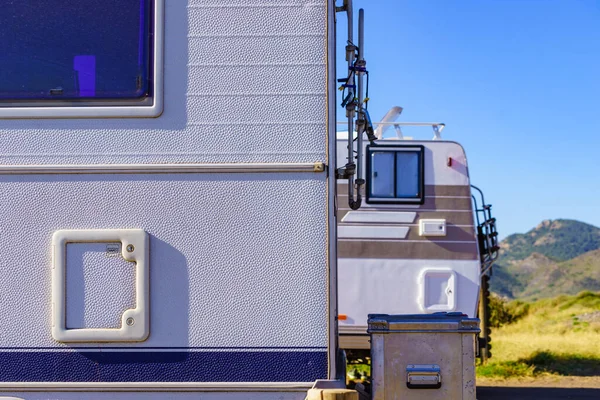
556	257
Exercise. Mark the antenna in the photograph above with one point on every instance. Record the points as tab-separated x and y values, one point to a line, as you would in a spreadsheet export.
349	102
355	103
360	67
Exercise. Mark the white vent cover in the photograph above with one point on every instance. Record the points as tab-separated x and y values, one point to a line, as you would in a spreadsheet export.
432	227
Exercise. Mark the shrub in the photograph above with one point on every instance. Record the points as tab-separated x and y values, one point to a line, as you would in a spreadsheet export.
504	313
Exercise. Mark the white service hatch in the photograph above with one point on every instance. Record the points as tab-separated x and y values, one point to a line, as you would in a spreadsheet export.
438	290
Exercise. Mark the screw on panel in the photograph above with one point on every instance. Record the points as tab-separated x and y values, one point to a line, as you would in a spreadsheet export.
130	321
130	248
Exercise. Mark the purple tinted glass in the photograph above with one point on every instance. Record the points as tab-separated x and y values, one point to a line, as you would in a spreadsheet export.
85	68
75	49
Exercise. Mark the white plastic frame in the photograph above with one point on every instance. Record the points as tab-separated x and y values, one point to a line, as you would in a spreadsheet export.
135	323
107	111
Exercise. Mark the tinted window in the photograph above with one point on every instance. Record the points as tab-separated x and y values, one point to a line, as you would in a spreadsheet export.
407	174
382	173
75	49
395	174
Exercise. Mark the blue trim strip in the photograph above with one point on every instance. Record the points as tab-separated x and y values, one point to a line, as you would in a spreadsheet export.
209	366
140	348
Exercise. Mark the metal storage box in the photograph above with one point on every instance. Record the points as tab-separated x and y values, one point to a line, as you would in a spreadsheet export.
423	357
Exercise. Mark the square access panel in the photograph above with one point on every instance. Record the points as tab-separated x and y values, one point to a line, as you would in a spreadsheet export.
134	322
100	285
438	290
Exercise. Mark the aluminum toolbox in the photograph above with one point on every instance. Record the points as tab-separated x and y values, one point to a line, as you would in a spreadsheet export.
418	357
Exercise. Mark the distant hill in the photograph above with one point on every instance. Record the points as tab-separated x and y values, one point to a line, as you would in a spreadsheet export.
556	257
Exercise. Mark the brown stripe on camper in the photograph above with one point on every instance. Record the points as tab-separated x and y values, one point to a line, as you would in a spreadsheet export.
451	217
425	250
453	233
430	190
431	203
447	190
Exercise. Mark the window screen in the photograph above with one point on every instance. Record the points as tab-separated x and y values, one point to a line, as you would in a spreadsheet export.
75	50
395	174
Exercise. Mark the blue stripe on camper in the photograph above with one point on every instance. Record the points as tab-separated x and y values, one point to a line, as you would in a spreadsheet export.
201	366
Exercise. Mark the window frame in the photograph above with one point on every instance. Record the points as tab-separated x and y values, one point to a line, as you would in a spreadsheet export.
420	150
150	107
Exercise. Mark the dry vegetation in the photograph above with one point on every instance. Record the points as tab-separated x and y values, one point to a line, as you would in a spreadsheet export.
550	337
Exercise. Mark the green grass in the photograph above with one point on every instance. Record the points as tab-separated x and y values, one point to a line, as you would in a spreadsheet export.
358	371
505	369
556	336
543	363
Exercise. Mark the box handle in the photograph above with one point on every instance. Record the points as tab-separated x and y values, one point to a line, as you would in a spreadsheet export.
423	376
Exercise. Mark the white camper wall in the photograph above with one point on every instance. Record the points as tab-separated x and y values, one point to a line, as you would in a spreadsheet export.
244	81
238	261
386	265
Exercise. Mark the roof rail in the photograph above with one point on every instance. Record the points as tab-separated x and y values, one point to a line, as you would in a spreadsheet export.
438	127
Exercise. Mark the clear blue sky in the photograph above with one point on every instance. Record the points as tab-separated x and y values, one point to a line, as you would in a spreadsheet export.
517	83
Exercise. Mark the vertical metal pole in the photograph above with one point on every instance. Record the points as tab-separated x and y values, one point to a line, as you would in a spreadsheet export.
361	114
350	114
350	13
334	372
